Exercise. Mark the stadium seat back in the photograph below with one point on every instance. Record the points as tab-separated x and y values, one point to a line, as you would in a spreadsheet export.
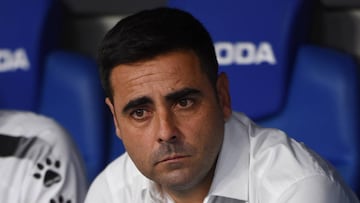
25	30
255	42
323	108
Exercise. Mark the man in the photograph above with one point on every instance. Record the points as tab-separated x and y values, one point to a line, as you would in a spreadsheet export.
39	163
184	144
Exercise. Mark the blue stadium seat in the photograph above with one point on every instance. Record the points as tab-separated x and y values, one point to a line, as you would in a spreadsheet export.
322	109
34	76
314	99
71	93
25	37
253	39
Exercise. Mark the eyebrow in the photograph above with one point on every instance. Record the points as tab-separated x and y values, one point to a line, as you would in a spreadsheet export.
136	102
175	96
172	97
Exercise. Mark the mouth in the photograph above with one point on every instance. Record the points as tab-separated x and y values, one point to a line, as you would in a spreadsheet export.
173	158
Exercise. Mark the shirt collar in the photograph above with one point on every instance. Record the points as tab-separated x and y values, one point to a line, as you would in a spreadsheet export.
232	169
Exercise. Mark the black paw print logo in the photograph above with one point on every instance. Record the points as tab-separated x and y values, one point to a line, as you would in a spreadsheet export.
60	199
49	176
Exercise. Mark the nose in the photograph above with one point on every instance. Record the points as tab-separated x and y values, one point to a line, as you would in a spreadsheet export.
168	131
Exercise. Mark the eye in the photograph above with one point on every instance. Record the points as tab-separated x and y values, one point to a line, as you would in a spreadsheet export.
185	103
140	114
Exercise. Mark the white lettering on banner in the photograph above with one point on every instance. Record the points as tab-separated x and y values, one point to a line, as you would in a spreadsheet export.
13	60
244	53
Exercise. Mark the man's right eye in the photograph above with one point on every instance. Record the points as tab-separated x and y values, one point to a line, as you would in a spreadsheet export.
140	114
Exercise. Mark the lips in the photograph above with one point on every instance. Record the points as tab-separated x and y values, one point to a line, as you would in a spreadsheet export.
172	158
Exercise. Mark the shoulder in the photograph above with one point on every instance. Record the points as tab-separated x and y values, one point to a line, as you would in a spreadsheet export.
120	181
29	124
42	133
25	125
280	164
317	188
12	118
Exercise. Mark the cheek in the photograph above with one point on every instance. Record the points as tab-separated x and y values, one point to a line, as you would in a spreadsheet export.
205	132
139	145
139	153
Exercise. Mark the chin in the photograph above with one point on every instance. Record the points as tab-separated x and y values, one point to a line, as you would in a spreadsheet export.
180	180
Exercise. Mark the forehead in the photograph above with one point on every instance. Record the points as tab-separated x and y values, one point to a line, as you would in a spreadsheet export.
164	73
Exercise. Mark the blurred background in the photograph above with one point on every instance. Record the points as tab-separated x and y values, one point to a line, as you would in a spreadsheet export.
292	65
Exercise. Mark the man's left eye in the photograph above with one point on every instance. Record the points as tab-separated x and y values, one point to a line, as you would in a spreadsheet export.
185	103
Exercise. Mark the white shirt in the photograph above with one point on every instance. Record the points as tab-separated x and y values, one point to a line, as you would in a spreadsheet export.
255	165
38	162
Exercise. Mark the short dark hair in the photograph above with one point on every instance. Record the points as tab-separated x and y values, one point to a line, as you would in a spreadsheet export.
150	33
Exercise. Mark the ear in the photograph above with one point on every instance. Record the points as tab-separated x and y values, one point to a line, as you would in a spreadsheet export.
222	87
112	109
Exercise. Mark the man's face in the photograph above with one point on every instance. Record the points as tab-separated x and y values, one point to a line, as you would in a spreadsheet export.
169	118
